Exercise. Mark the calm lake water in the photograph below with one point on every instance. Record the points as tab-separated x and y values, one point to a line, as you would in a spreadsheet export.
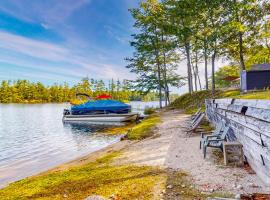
34	139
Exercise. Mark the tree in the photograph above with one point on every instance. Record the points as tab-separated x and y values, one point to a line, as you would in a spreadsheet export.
153	60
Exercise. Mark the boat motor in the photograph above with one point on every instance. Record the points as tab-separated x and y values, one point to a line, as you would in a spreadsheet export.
66	112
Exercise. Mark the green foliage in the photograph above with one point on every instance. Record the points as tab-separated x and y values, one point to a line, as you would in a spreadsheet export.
144	129
155	57
23	91
197	31
95	178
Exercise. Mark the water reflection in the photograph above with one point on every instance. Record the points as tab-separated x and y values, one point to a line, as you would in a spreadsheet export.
33	138
90	126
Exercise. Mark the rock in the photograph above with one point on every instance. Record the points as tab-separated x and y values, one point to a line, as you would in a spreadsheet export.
239	187
95	197
169	186
65	195
238	196
163	191
183	186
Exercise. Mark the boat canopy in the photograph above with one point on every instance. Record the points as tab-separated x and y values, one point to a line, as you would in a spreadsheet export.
101	107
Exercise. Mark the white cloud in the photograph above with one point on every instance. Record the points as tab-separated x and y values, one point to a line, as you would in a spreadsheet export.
66	60
45	26
49	12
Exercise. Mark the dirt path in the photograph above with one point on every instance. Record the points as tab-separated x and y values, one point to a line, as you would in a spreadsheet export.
172	148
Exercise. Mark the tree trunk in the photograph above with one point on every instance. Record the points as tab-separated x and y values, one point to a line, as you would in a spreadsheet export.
266	42
189	73
198	76
241	53
195	76
168	95
159	71
213	73
205	67
197	70
165	72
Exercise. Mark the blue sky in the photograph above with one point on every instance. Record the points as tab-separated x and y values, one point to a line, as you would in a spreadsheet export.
64	40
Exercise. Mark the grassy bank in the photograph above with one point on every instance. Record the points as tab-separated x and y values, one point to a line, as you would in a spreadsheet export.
102	177
144	129
191	102
99	177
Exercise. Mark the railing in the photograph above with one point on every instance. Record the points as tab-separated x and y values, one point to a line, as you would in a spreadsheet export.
249	122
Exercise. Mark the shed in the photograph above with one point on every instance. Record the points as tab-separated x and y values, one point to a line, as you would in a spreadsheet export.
257	78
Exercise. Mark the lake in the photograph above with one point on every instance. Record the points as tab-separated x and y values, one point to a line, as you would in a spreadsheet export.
34	139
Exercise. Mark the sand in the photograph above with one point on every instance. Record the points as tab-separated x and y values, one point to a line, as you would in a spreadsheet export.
173	148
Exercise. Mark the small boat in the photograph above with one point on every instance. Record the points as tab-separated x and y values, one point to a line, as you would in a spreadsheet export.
102	117
100	111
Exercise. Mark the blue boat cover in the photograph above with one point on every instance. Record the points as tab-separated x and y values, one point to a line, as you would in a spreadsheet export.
101	106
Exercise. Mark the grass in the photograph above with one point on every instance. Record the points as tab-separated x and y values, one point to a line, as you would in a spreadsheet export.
144	129
191	102
105	179
255	95
95	178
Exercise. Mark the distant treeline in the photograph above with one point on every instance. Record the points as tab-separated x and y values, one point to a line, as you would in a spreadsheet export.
23	91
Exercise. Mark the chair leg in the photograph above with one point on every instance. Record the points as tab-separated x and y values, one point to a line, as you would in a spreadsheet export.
204	151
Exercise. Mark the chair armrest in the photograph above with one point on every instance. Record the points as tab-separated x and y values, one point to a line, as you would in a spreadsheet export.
205	132
215	140
212	136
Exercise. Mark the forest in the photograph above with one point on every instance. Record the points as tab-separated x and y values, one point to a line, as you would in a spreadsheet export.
23	91
198	33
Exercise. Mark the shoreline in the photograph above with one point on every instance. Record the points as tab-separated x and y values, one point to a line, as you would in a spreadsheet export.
176	164
88	157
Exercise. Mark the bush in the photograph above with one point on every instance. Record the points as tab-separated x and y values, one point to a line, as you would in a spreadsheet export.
149	111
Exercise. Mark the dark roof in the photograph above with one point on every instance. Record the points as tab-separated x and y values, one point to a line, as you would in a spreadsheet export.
261	67
231	78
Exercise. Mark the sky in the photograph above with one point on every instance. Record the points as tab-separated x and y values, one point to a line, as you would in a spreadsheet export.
56	41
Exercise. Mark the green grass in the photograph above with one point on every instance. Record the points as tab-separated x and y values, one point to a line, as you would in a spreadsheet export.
105	179
95	178
255	95
191	102
144	129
